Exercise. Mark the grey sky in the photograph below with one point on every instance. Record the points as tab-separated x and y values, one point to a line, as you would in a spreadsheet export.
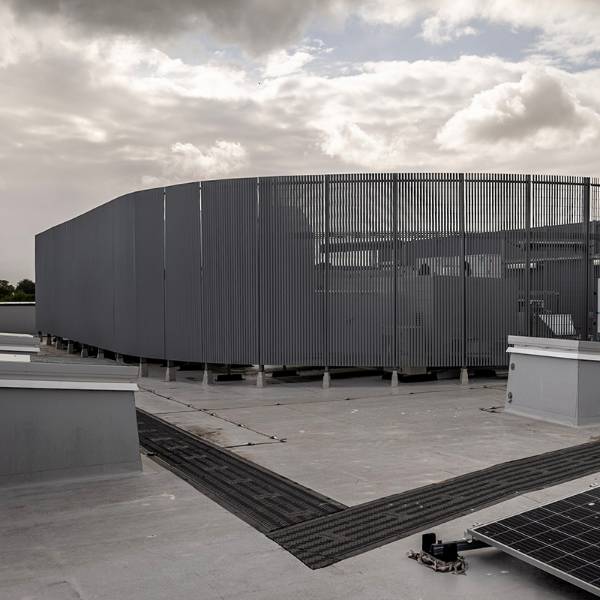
98	99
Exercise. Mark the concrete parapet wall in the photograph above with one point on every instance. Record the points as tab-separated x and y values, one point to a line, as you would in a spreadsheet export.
17	317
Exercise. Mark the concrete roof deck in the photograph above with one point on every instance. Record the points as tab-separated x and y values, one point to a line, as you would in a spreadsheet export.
153	536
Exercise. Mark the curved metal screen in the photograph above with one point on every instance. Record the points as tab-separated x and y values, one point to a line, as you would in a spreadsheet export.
380	269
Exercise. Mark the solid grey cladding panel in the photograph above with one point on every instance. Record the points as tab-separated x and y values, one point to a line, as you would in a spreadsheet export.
183	243
94	275
291	270
44	266
66	294
149	273
124	288
229	250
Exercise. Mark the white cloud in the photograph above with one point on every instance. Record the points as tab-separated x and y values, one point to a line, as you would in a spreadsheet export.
352	144
537	110
281	62
438	31
193	162
566	28
94	116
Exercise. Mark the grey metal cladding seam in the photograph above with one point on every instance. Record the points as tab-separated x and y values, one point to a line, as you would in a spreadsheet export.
381	269
183	275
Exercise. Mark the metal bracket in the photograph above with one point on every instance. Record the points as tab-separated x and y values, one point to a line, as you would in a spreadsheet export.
448	551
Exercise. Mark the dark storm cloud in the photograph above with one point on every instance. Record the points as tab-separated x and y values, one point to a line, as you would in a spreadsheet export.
256	25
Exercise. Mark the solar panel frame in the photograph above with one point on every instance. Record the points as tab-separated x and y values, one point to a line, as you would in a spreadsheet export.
561	537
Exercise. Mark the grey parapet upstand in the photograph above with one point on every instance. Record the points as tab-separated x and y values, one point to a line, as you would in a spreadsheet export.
553	379
17	347
64	420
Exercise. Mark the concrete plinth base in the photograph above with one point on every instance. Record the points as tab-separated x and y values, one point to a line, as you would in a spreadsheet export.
326	380
70	347
260	379
119	359
84	352
464	377
394	379
100	354
143	368
206	377
170	373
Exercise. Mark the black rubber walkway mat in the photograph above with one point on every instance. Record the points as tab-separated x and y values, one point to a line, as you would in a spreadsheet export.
263	499
327	540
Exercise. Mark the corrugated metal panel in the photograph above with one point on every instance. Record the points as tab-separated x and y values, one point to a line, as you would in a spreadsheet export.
230	270
292	230
183	294
360	311
149	209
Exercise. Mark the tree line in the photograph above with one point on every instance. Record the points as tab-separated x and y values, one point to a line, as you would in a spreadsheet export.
24	291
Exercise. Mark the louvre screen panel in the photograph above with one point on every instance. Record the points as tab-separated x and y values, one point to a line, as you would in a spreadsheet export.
429	280
594	256
418	270
229	251
495	265
360	303
292	237
183	294
558	255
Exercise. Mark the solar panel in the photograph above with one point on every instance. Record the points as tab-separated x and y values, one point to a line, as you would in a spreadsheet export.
561	538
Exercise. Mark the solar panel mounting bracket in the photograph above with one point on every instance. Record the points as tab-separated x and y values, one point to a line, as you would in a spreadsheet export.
448	551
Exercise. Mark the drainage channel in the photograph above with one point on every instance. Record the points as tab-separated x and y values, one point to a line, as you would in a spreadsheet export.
327	540
263	499
320	531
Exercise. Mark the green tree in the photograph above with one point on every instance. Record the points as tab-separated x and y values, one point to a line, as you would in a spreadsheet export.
6	291
27	287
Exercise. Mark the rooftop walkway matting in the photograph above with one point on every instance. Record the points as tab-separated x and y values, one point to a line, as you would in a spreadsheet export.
320	531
